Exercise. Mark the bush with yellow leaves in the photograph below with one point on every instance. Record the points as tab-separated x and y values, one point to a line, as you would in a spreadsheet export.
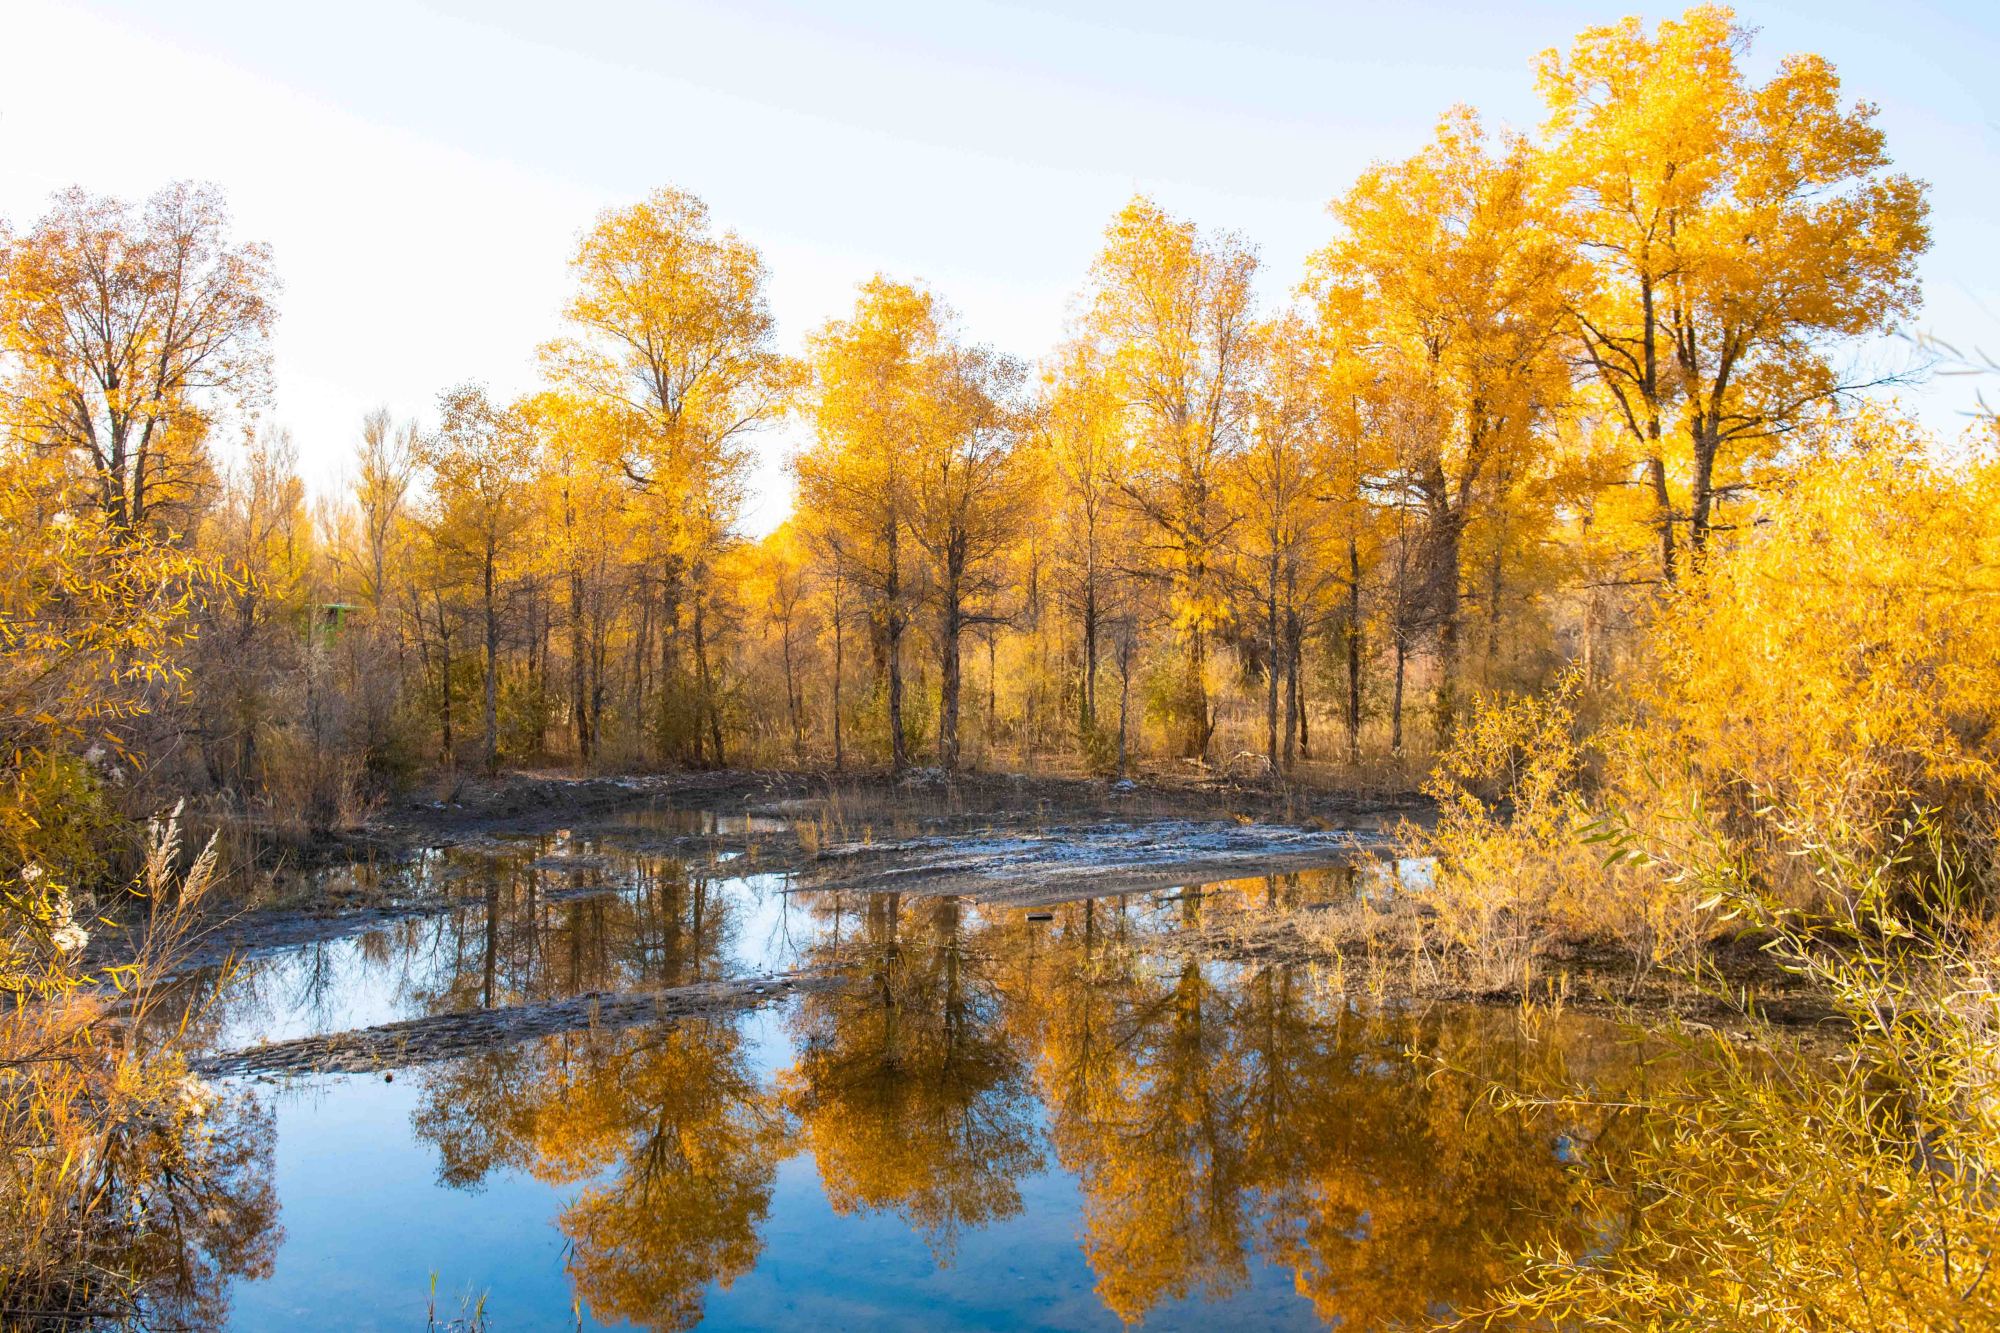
1811	755
1779	1184
1843	659
130	1189
1514	871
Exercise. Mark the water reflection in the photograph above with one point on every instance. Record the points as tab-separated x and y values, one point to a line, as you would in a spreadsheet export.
672	1136
1214	1122
906	1089
175	1204
522	927
1212	1119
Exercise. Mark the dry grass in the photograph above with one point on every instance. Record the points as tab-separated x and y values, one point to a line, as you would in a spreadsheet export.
1779	1187
130	1189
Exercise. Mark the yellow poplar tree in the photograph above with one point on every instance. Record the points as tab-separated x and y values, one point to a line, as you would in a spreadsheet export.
1734	234
581	509
1170	312
1280	487
672	324
1459	296
126	331
481	461
969	500
865	401
1079	432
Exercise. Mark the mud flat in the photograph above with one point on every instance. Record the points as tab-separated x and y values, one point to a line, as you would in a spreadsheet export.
1063	864
420	1041
1004	839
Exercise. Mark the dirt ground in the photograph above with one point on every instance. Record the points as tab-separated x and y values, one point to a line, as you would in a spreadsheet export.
1000	841
531	801
862	828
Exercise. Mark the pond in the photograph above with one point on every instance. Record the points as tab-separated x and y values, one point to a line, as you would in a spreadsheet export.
927	1110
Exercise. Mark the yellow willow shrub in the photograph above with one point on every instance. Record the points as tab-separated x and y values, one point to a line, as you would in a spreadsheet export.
56	813
1844	658
130	1190
1781	1185
92	619
1513	868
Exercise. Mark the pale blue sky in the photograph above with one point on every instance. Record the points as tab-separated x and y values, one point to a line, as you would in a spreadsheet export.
422	170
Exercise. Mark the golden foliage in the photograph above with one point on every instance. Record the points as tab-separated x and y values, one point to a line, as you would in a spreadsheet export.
1844	660
126	333
1731	235
129	1188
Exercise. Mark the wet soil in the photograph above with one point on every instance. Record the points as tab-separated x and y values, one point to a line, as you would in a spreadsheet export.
999	843
862	830
528	801
435	1037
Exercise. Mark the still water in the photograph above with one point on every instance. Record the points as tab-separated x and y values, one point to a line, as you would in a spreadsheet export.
993	1121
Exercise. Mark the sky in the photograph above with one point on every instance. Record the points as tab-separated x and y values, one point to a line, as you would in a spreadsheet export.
422	171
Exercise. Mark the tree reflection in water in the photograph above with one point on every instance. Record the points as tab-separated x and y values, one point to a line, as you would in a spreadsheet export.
669	1130
671	1133
1214	1116
906	1090
167	1199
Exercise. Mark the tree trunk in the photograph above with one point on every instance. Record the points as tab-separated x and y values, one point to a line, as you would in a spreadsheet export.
1446	590
1396	706
1494	570
444	684
1493	611
599	648
1294	712
949	660
792	698
492	706
1197	685
892	631
710	711
1353	651
839	669
665	678
1701	506
1090	651
1663	504
1271	668
1590	639
1305	711
1124	695
579	663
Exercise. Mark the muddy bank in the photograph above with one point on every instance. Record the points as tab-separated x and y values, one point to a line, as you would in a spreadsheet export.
1003	838
525	802
436	1037
1067	862
528	802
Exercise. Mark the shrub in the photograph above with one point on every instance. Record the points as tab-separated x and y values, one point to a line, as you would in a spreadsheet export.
1779	1185
1514	871
130	1190
1843	660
